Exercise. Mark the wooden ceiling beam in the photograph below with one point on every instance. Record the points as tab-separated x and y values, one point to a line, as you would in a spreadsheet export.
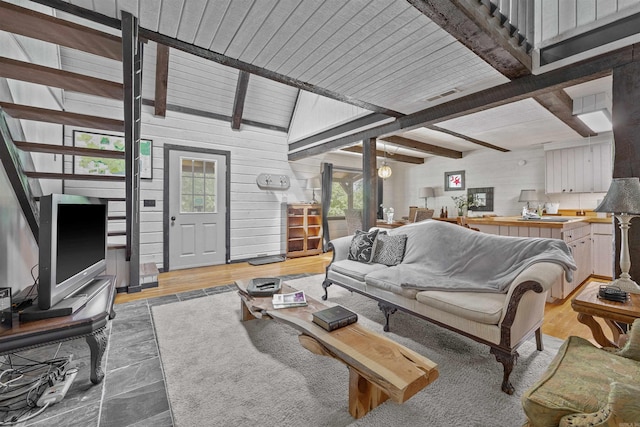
561	105
463	20
162	80
466	138
26	112
421	146
77	177
33	73
26	22
67	150
238	101
516	90
396	157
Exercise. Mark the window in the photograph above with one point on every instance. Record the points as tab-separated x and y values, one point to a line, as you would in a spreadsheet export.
198	186
346	191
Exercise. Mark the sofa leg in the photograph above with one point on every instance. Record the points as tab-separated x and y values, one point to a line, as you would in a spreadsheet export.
507	360
539	344
387	310
325	284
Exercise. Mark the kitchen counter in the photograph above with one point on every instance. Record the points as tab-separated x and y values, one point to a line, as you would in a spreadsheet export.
565	222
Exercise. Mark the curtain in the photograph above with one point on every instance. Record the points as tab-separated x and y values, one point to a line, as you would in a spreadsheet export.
327	184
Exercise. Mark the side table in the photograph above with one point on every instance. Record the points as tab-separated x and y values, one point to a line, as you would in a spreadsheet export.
588	305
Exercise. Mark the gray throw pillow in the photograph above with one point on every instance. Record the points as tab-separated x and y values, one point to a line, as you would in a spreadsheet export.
389	250
361	248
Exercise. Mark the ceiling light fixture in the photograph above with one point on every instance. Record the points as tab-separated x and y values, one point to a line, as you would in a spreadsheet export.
593	111
384	171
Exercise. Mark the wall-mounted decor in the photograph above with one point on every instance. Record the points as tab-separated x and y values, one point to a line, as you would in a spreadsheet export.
105	166
454	181
481	198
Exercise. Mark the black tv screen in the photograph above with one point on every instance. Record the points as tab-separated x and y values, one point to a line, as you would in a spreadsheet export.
81	239
72	245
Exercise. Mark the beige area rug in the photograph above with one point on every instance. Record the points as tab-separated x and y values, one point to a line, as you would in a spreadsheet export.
222	372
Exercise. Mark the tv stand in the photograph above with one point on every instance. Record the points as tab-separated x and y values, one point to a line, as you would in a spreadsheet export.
89	322
68	305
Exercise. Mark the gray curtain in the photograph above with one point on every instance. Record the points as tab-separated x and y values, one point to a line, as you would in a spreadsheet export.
327	183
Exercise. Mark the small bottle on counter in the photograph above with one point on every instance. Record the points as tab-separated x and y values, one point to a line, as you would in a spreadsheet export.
446	212
442	212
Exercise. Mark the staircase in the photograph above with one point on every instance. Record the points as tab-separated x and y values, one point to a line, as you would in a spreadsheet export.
123	226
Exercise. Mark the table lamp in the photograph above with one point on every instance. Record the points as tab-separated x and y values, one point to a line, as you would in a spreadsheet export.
623	201
528	196
425	193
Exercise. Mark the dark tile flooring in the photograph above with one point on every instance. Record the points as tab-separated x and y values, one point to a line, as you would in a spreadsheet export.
133	390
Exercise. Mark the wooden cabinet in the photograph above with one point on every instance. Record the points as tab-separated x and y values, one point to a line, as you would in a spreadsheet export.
603	252
304	230
581	169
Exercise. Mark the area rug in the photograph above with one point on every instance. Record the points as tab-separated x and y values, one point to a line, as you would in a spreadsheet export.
220	371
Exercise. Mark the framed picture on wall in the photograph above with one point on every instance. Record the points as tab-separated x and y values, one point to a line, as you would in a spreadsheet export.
454	181
93	165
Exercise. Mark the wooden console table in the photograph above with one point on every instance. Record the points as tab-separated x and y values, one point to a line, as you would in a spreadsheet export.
588	305
89	322
379	368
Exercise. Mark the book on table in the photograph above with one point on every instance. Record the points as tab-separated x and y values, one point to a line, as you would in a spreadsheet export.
334	317
293	299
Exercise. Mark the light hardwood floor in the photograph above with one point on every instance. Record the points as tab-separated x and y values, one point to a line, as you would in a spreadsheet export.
560	320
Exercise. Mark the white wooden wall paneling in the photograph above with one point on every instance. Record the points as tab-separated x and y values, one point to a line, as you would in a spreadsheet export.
248	30
233	18
149	14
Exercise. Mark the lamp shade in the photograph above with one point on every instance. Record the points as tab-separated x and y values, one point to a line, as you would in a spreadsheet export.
313	183
426	192
384	171
623	197
528	196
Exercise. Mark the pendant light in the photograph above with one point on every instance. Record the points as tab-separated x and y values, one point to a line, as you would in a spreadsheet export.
384	171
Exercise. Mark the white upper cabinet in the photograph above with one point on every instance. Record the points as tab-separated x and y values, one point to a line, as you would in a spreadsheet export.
584	169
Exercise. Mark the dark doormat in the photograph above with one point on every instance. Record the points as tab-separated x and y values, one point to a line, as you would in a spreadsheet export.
266	260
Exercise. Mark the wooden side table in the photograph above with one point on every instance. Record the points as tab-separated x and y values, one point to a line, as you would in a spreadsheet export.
588	305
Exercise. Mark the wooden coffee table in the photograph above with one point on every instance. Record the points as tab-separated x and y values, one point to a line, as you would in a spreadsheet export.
379	368
588	305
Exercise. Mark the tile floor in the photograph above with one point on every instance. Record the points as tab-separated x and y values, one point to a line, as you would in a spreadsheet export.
133	390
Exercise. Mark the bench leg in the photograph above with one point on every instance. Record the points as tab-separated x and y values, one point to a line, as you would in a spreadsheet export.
97	344
325	284
507	360
387	310
363	395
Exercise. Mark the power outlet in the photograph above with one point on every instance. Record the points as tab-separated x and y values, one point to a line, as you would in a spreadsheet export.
56	392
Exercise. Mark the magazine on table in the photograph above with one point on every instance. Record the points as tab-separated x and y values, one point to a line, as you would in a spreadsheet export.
293	299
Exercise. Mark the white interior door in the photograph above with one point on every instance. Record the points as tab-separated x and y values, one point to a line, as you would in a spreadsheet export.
197	209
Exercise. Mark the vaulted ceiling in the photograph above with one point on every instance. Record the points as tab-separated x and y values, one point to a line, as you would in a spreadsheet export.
390	57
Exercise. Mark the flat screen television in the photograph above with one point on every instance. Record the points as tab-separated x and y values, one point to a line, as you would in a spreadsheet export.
72	245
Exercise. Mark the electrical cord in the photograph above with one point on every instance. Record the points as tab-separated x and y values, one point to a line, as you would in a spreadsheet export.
22	384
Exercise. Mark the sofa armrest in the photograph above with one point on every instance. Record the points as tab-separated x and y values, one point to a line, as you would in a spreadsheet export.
340	247
623	409
631	349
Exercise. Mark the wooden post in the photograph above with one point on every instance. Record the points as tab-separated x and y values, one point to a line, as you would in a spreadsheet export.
132	77
626	133
370	187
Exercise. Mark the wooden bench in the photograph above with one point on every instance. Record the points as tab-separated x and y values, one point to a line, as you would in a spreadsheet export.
379	368
89	322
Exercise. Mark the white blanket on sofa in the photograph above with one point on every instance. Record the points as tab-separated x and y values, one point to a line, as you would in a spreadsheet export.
442	256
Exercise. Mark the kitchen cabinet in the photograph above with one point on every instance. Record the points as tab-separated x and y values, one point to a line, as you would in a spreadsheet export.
582	169
603	252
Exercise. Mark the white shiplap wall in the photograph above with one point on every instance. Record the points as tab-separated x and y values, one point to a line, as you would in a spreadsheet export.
483	168
256	215
555	18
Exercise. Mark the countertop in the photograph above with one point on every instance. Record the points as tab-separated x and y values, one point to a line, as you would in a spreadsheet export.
546	221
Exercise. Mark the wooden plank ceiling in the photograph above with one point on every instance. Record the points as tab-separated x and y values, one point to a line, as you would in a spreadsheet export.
392	56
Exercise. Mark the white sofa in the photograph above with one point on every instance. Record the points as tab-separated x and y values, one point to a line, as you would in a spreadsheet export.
500	319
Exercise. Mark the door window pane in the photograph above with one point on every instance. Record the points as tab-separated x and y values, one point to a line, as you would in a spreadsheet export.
198	186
